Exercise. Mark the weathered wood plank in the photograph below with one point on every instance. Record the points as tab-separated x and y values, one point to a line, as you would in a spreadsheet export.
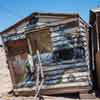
29	91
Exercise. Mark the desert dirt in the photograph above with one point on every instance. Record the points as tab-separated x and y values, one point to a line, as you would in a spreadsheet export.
5	81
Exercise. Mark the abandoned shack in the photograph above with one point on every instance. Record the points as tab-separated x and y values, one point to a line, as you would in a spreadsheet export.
62	42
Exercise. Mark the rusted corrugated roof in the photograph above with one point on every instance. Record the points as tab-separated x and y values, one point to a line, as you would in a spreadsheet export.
39	14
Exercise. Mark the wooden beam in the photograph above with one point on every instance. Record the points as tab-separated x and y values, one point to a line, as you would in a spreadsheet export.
30	92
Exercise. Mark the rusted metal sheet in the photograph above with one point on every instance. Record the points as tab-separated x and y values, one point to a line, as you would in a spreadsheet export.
16	47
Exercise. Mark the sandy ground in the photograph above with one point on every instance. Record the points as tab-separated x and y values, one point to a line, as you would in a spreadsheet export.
5	81
31	98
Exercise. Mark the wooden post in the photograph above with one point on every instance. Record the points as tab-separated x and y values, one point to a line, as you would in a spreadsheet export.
97	31
98	53
29	47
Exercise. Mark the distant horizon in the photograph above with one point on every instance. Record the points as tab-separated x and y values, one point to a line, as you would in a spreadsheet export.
14	10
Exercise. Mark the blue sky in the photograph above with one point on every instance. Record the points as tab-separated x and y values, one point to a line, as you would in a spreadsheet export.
14	10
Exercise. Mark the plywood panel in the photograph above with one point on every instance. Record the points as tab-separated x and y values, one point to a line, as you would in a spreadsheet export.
40	40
